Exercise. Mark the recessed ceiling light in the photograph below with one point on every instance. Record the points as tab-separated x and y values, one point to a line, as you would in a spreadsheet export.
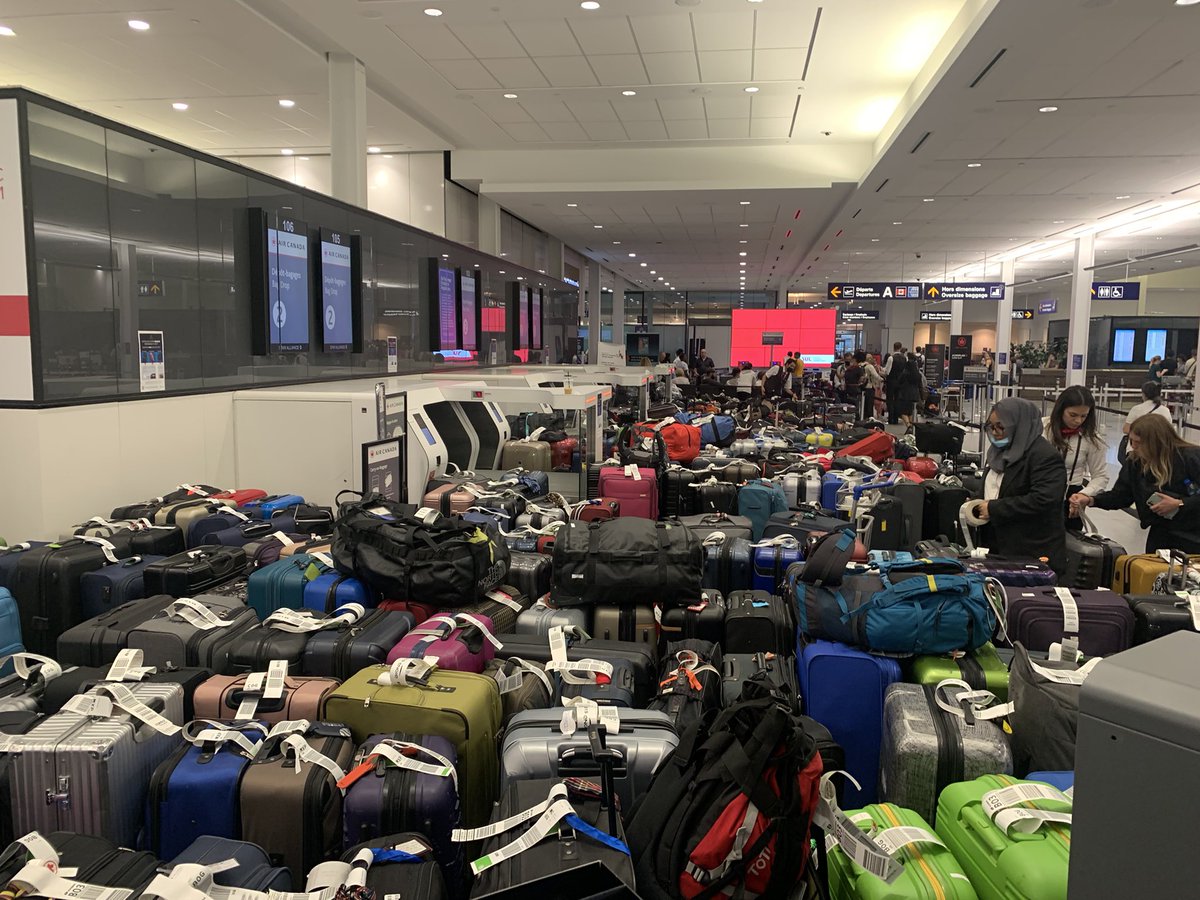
510	96
743	242
1179	260
597	226
502	272
751	90
179	106
1047	109
5	31
1060	221
433	11
928	200
139	25
388	156
374	150
1186	2
897	223
743	202
287	104
305	158
628	93
653	272
643	265
445	256
874	240
632	255
742	263
974	165
589	4
744	225
572	205
287	151
742	253
1123	197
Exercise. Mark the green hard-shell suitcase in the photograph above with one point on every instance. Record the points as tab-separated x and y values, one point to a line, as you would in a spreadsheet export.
982	669
930	871
1012	866
462	707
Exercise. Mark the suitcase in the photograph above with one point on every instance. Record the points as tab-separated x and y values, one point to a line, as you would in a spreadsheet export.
598	509
716	497
104	589
501	605
10	629
419	611
88	774
735	471
982	669
300	698
1014	572
1036	619
383	795
771	561
465	643
196	632
523	685
638	495
776	672
705	524
216	522
530	573
271	507
540	618
1155	615
241	496
97	641
606	689
271	549
410	874
801	524
95	861
10	556
911	499
703	620
283	584
312	546
462	707
801	487
532	484
758	622
689	685
561	453
728	565
184	512
499	508
159	540
340	652
331	590
238	533
644	660
926	748
835	482
296	816
877	446
194	792
257	647
535	747
1002	864
843	689
888	530
921	465
679	497
253	870
527	454
1134	574
194	572
929	869
942	505
1091	560
634	624
81	679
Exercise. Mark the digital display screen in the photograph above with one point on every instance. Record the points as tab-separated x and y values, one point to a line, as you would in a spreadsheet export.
535	320
429	438
447	310
337	291
1123	345
810	332
1156	343
522	319
287	286
493	319
470	340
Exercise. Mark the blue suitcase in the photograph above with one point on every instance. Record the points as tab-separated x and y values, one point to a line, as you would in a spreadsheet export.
10	629
195	792
727	566
328	591
843	690
280	584
201	528
831	483
242	533
770	564
105	589
758	501
271	506
10	556
253	871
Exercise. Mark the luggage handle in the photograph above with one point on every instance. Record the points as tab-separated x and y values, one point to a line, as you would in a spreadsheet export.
408	673
44	667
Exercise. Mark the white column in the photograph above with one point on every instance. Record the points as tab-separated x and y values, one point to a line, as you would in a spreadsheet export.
1004	320
956	319
620	285
593	300
781	298
1081	308
489	228
348	128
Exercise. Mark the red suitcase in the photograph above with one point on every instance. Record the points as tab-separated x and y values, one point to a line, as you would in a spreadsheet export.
637	496
599	510
909	475
924	466
243	496
878	447
561	452
419	611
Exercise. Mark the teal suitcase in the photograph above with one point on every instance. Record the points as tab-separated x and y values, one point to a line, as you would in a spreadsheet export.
281	584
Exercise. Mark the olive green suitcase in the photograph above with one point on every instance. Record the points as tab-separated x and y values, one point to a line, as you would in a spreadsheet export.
982	669
930	871
1005	866
462	707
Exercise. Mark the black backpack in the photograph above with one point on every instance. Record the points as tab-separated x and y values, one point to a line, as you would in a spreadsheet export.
773	384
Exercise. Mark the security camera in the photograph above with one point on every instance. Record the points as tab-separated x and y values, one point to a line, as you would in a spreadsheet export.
918	255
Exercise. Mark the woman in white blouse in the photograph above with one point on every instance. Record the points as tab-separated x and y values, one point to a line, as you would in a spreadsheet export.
1072	429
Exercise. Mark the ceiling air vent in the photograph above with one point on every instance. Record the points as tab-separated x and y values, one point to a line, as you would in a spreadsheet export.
982	75
917	145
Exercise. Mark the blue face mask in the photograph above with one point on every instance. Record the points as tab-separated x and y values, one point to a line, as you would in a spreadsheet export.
999	443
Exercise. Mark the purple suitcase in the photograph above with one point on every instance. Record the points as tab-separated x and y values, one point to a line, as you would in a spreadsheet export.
1014	572
457	642
385	798
1035	619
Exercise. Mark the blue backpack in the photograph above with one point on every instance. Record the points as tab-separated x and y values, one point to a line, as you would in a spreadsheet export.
758	501
714	429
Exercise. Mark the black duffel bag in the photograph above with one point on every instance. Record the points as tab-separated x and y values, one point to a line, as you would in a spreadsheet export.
422	558
625	561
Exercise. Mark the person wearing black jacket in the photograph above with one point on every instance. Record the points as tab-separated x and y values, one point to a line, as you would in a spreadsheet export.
1161	477
1021	511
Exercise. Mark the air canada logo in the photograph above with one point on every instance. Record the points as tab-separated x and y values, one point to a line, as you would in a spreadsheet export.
961	342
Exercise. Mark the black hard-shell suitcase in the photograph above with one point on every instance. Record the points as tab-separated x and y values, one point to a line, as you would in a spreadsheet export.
643	659
887	525
718	496
340	652
46	586
679	497
911	498
255	649
758	622
194	572
1091	560
942	505
421	880
530	572
800	524
97	641
81	679
614	690
704	524
728	565
704	620
1155	615
96	860
10	556
775	672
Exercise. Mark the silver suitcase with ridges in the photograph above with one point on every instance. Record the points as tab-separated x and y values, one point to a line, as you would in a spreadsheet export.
78	773
539	619
535	747
926	748
198	631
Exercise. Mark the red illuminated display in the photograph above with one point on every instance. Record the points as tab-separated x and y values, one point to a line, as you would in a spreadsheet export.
493	319
809	332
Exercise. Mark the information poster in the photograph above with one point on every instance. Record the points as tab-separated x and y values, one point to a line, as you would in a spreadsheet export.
152	365
535	320
393	354
287	250
382	465
447	310
960	355
337	318
935	363
470	339
522	319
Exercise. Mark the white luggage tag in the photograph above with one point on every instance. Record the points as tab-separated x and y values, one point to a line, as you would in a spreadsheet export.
27	665
207	731
128	667
841	831
582	712
40	878
190	881
294	621
504	598
509	683
487	632
554	810
999	805
196	614
123	698
966	703
1069	648
105	546
402	754
268	685
304	752
408	672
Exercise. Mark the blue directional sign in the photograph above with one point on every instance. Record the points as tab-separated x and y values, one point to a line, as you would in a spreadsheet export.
936	316
1116	290
964	290
1048	306
873	290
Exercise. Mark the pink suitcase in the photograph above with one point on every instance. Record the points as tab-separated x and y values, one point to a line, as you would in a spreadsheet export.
638	497
462	642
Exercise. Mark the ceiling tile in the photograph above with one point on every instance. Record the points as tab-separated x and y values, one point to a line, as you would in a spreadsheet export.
489	41
565	131
662	34
689	130
515	73
672	68
465	74
682	108
549	37
610	34
725	65
604	131
631	109
772	105
433	42
548	110
567	71
593	110
526	133
727	107
784	24
724	31
646	131
504	112
619	68
779	65
769	128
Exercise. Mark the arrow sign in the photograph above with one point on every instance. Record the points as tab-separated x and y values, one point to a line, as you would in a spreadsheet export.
873	290
965	290
151	288
836	290
1021	314
933	291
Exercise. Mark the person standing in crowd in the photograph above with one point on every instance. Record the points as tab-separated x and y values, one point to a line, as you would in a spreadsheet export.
1152	372
872	382
1017	368
1071	428
1151	405
1051	362
909	387
705	365
1161	478
744	381
852	378
1023	488
893	371
1189	367
679	364
1168	367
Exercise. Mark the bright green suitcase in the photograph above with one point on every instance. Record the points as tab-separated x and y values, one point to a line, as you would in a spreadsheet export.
1015	866
982	669
930	872
461	707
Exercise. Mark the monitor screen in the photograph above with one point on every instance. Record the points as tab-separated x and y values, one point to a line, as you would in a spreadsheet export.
470	340
337	291
809	332
522	318
493	319
447	310
1122	345
1156	343
535	320
287	286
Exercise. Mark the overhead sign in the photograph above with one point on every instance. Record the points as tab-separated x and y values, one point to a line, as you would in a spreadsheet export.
1117	290
152	288
1022	314
873	290
1048	306
964	290
935	316
772	338
859	315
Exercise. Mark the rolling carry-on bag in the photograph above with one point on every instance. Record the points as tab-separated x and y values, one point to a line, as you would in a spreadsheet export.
267	508
451	499
1004	864
1102	622
942	505
926	747
95	860
410	873
253	870
771	561
282	584
104	589
386	793
463	642
332	590
540	618
982	669
634	624
344	649
221	520
758	622
275	639
240	534
523	684
530	573
878	446
703	619
501	606
598	509
1014	572
728	564
97	641
800	487
1135	574
759	500
183	513
535	747
843	689
258	695
10	556
194	792
1091	560
911	499
636	489
144	538
527	453
614	686
81	679
87	767
679	498
689	685
195	571
706	524
10	629
532	484
196	632
800	524
241	496
289	800
1155	615
413	697
775	672
714	496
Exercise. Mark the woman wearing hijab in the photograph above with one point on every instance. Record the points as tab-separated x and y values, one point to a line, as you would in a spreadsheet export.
1023	491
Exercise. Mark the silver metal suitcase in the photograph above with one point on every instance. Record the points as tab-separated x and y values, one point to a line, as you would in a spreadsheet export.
81	773
535	747
925	748
193	632
539	619
801	487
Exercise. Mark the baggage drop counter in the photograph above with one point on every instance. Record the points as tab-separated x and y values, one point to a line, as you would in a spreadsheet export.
635	383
